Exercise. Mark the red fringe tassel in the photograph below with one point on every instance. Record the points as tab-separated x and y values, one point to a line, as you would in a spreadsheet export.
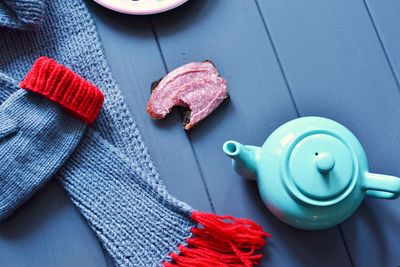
222	241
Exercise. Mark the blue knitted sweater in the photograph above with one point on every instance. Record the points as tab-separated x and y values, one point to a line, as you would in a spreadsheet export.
68	34
110	176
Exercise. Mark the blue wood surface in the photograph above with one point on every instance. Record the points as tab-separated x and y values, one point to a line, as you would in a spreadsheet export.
350	80
260	102
282	59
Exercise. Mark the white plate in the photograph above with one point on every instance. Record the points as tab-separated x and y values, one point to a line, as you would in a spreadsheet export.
140	7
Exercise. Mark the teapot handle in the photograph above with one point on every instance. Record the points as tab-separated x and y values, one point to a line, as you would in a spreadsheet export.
381	186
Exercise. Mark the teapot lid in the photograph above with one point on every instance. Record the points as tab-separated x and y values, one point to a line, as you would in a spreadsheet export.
320	167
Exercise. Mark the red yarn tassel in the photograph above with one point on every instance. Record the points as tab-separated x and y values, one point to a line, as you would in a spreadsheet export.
222	241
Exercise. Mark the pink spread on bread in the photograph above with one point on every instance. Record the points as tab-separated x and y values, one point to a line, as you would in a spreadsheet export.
196	86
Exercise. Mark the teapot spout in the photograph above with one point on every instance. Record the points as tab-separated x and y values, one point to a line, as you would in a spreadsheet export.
244	158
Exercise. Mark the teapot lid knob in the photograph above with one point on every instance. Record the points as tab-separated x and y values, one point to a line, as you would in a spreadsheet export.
319	168
325	162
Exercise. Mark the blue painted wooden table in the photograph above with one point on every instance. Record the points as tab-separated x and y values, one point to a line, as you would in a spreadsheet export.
283	59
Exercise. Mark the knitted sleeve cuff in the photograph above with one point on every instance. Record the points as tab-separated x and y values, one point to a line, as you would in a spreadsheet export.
61	85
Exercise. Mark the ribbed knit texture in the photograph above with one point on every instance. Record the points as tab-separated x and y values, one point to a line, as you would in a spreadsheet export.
64	87
138	223
36	137
21	14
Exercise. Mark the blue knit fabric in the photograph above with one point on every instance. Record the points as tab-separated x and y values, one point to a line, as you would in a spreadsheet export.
21	14
36	138
138	222
110	176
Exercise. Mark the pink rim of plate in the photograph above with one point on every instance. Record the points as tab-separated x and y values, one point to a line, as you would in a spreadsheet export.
111	4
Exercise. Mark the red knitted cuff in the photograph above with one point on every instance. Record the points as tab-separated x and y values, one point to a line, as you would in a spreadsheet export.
63	86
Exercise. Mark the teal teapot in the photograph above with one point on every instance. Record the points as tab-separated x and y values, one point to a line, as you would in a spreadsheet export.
312	172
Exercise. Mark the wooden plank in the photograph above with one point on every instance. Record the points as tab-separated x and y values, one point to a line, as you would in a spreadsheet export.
337	68
135	61
385	16
231	33
48	231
